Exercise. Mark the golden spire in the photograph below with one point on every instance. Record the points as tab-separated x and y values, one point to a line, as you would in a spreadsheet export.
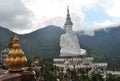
16	58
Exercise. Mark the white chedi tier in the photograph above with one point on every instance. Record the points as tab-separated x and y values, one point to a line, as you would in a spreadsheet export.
69	42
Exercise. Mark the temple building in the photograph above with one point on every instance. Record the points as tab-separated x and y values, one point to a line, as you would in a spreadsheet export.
5	51
72	56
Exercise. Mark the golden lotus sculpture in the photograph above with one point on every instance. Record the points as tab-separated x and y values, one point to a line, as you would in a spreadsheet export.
16	58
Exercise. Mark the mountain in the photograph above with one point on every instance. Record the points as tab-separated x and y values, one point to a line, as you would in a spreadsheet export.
104	45
5	35
43	42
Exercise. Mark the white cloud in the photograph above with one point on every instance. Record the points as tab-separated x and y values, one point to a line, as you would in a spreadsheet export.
106	24
27	15
15	16
111	7
53	12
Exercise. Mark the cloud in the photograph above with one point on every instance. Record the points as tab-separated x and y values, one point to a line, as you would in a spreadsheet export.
23	16
111	7
111	14
106	24
103	15
14	15
53	12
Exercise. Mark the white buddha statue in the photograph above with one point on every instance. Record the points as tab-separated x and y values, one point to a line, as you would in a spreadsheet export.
69	42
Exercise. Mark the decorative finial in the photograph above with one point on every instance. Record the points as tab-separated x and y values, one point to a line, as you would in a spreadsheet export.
16	58
68	19
67	9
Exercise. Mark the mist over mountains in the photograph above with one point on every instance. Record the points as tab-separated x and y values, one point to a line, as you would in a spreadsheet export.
104	45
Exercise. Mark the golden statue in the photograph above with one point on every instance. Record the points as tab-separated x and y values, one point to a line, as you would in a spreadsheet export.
16	58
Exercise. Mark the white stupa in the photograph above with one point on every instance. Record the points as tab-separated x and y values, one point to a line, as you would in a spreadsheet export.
69	42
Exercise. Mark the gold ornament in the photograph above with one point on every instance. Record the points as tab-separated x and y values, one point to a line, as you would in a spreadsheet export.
16	58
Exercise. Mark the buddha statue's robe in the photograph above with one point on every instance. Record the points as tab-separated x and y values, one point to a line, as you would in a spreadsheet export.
70	45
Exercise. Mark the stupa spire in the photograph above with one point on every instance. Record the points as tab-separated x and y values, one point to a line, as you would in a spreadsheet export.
68	19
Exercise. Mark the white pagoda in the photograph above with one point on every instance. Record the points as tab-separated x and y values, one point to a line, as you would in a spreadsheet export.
71	55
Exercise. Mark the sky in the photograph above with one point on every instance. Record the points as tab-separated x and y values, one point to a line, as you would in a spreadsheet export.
24	16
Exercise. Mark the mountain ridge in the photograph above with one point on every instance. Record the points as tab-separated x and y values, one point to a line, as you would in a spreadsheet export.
45	43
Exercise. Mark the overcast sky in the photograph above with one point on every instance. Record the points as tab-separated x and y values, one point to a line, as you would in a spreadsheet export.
23	16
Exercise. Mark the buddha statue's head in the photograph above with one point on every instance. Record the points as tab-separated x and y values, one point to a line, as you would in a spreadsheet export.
68	28
68	23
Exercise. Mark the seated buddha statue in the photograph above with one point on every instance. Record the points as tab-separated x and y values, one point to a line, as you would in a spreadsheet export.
69	42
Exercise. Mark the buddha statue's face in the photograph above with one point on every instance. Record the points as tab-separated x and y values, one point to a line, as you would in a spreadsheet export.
68	28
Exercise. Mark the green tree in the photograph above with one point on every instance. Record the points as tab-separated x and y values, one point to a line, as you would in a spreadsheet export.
96	77
110	77
117	78
83	77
